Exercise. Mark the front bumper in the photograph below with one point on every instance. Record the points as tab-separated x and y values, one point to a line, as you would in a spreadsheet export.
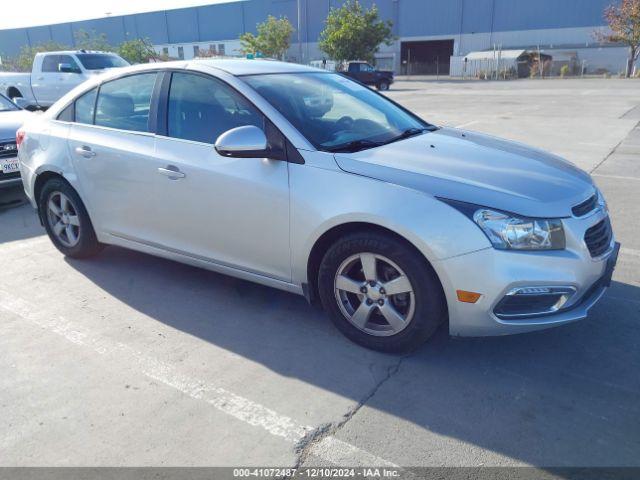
495	273
10	182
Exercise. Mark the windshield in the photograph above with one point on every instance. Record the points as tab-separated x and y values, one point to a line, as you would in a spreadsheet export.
100	61
335	113
7	105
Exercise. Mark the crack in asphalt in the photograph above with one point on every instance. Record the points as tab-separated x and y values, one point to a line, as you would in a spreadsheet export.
305	445
620	143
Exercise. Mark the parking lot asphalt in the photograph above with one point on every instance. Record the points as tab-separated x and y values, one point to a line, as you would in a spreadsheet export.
128	359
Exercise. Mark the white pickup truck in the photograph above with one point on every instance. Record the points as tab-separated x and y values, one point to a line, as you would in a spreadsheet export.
55	73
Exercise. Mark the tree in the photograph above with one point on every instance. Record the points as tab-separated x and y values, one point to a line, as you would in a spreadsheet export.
354	33
624	22
138	50
273	39
92	41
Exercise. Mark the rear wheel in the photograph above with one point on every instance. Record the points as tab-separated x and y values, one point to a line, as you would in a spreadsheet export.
380	292
383	85
67	221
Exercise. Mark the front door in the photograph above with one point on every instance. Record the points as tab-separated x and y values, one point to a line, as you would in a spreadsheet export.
232	211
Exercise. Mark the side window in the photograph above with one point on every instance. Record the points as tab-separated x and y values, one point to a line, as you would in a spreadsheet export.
125	103
202	108
50	63
84	107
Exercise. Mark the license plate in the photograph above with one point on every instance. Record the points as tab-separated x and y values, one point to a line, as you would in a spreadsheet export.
9	165
611	265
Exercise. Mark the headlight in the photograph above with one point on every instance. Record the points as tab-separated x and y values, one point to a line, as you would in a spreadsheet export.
601	201
507	231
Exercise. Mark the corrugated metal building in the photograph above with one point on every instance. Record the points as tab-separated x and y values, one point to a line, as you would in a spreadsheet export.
428	31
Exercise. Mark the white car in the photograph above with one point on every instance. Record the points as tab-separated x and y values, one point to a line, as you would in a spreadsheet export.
304	180
54	74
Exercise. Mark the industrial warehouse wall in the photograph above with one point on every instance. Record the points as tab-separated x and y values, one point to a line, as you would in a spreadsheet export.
472	24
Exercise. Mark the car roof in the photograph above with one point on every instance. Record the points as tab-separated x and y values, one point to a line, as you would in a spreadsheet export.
236	67
241	66
75	52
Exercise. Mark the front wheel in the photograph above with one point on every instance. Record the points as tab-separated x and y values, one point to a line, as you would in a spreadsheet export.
383	85
66	220
380	292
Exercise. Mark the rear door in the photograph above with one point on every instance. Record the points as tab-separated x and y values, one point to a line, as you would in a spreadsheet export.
113	152
44	81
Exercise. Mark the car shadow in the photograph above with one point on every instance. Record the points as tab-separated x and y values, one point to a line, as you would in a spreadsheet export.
18	221
563	397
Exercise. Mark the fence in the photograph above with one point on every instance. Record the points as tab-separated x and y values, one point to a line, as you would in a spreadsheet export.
425	68
523	67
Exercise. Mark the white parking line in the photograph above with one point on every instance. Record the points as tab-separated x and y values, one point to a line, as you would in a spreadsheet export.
617	177
24	244
630	251
467	124
247	411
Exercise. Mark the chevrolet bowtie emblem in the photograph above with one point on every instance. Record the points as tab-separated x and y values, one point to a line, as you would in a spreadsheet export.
9	146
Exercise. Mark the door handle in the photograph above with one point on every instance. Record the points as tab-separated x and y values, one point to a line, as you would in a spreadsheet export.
172	172
85	151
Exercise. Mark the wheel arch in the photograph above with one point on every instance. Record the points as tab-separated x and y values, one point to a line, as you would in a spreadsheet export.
329	237
41	179
13	92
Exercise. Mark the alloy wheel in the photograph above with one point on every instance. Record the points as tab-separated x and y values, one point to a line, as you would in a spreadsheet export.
374	294
63	219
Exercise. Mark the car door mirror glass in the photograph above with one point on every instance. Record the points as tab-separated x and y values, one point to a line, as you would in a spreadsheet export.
248	141
67	68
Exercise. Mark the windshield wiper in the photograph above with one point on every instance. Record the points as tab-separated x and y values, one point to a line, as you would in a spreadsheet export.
354	146
409	132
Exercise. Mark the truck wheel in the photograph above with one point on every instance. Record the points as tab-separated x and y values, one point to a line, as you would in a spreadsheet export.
383	85
380	292
66	220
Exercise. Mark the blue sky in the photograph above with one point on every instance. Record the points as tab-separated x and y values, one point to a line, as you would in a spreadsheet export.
41	12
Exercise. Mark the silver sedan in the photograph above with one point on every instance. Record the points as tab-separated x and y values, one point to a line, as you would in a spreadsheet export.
307	181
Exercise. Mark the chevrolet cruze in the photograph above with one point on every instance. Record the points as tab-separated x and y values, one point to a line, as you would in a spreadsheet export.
310	182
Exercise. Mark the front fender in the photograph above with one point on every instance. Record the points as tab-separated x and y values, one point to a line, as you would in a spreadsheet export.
322	199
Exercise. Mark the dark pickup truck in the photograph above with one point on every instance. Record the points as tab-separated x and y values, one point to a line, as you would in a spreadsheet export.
365	73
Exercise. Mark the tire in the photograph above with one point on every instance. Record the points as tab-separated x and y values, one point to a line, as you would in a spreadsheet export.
78	242
423	309
383	86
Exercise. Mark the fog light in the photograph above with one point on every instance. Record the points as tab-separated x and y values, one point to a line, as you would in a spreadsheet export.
532	301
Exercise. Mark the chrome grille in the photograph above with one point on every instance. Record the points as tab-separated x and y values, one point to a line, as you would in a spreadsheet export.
8	149
598	237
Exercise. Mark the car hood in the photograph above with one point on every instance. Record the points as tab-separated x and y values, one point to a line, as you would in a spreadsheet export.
476	168
12	121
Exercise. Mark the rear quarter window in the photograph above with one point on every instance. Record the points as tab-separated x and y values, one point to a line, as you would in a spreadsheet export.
84	107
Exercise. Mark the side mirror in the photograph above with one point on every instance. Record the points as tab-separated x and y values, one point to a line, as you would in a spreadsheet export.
243	142
67	68
21	102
